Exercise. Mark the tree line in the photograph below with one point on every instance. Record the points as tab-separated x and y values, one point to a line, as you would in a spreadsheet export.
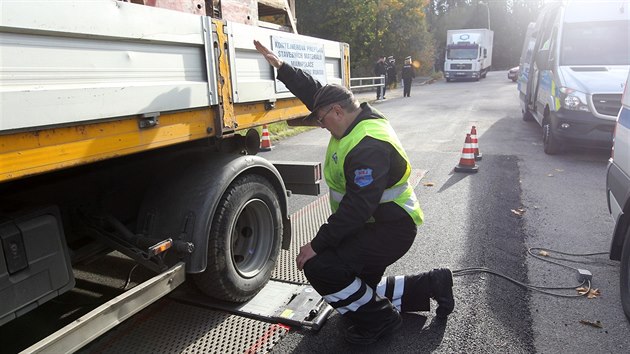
415	28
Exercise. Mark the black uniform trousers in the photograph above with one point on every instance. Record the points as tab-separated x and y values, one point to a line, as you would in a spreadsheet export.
406	87
350	276
380	91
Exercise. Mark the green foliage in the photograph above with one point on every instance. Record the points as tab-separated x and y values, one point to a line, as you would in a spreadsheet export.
437	75
507	18
372	28
418	28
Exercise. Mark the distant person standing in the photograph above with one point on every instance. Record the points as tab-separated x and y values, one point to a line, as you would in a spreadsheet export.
380	69
407	76
391	72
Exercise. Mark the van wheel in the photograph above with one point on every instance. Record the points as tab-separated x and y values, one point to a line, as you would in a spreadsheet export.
244	241
527	116
624	277
550	142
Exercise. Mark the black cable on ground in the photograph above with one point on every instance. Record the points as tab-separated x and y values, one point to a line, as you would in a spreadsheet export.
546	258
540	289
537	288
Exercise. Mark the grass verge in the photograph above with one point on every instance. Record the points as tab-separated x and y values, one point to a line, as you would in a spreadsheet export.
281	130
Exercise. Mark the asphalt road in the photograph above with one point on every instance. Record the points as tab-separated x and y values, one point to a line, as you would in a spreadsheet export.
469	223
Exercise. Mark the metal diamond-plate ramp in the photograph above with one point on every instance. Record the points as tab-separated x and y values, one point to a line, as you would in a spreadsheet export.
173	327
305	223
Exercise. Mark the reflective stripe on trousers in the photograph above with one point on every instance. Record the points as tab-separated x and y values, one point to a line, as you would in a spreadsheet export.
393	289
389	287
350	298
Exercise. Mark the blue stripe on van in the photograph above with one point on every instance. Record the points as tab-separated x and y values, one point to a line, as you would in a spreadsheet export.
624	117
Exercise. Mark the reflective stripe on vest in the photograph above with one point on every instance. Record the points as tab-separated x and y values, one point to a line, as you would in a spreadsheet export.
389	195
401	193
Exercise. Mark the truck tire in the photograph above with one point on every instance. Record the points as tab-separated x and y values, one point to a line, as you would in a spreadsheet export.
624	275
244	241
550	141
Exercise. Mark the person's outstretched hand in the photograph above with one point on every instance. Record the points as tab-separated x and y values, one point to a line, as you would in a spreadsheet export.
271	57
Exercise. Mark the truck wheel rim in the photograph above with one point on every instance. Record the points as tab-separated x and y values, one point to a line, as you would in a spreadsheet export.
252	238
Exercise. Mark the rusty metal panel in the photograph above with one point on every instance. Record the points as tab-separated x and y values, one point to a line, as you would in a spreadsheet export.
196	7
241	11
278	4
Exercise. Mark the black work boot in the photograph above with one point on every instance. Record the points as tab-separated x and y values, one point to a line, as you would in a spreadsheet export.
442	291
364	336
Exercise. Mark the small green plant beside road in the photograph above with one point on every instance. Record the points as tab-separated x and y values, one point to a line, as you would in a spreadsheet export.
281	130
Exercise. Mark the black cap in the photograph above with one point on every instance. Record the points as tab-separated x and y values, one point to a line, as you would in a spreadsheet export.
327	95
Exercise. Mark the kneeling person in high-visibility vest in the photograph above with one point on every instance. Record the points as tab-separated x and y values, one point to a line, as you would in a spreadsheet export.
375	214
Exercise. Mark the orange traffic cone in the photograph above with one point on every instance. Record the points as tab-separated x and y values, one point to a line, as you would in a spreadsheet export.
467	161
475	143
265	141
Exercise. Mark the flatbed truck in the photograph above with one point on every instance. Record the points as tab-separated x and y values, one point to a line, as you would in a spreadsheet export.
133	128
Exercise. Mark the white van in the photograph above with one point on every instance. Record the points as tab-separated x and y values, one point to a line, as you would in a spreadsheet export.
574	62
618	195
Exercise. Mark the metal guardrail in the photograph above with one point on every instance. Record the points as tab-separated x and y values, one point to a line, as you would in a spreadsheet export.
367	82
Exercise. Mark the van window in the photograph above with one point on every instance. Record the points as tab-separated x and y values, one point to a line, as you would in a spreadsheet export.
552	46
595	43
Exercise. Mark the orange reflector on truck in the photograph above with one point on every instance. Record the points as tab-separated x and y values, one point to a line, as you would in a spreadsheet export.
161	247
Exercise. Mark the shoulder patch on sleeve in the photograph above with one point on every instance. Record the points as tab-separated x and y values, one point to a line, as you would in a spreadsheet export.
363	177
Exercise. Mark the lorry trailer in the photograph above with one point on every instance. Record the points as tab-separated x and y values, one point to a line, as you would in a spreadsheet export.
133	128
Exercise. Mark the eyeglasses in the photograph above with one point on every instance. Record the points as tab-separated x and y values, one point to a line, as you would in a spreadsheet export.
320	121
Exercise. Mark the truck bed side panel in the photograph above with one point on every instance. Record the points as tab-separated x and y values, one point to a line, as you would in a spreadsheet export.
57	72
253	78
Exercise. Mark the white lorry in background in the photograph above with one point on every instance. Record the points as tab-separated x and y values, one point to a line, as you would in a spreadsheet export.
574	63
468	54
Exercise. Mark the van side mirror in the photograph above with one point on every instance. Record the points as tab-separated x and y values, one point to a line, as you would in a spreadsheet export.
485	53
542	59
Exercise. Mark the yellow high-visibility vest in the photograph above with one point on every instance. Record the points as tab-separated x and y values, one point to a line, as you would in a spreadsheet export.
400	193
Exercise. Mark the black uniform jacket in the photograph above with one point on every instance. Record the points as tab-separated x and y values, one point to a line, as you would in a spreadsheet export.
407	72
360	203
380	69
